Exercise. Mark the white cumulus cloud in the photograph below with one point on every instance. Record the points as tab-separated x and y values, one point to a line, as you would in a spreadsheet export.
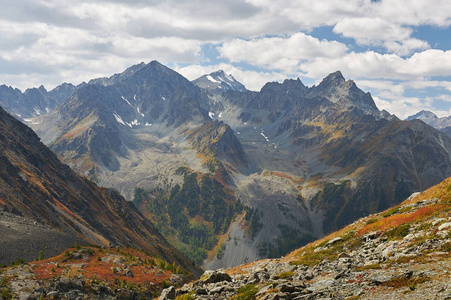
283	53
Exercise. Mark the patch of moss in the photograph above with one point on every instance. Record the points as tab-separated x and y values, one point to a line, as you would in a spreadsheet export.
390	212
371	221
189	296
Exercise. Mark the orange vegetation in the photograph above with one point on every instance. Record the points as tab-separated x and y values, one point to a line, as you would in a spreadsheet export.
399	219
106	265
441	190
66	210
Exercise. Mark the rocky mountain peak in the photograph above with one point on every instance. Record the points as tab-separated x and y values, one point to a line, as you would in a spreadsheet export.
220	73
423	115
143	70
330	84
443	124
286	85
345	93
219	80
333	79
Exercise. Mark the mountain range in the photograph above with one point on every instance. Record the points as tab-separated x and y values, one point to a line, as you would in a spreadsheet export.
35	101
287	164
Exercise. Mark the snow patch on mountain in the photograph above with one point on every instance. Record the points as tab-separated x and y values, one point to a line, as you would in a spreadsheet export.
212	79
123	98
137	109
120	121
266	138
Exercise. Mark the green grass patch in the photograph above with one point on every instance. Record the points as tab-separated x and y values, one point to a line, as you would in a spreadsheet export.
355	244
446	247
189	296
368	267
310	258
401	282
5	294
246	292
405	209
390	212
17	262
286	275
398	232
371	221
425	226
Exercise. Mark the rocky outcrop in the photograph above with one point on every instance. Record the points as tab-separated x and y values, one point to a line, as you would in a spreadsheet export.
218	140
401	253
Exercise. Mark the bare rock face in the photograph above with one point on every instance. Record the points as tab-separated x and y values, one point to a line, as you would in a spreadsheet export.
97	121
168	294
215	277
218	139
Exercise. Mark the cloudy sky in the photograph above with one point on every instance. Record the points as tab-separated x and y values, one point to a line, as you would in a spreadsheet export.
399	50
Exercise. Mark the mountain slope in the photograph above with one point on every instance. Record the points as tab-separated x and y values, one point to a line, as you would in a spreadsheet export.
36	185
92	272
401	253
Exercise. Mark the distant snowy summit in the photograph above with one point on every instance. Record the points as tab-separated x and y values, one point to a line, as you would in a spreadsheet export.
219	80
442	124
431	119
